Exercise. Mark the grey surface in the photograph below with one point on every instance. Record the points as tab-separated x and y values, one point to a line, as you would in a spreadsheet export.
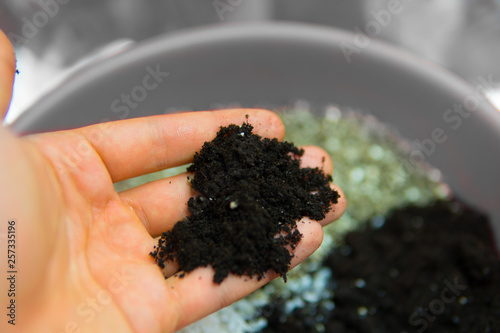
460	35
273	64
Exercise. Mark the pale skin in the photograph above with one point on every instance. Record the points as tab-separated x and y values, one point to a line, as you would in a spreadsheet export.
82	249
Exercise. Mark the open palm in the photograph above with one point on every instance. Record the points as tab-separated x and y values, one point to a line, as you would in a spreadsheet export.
82	249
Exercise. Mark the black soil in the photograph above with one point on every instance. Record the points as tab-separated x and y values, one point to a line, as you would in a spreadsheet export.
252	191
432	269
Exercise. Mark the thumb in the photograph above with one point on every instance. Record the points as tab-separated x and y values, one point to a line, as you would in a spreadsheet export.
7	70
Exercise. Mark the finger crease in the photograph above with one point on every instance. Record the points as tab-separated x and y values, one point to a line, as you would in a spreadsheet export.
139	211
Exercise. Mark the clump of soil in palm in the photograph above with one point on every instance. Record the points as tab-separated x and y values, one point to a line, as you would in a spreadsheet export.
252	191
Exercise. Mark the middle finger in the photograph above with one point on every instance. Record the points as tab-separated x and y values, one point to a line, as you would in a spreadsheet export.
162	203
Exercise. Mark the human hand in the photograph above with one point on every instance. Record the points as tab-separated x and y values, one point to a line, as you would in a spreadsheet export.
82	249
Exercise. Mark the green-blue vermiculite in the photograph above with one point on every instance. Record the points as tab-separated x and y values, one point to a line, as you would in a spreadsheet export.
368	159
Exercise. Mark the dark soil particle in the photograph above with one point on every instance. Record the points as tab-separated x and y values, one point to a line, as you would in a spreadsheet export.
252	191
432	269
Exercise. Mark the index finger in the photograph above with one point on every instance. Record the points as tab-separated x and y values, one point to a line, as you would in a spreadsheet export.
134	147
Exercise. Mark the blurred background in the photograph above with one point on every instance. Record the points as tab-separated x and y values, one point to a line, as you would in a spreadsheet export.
53	37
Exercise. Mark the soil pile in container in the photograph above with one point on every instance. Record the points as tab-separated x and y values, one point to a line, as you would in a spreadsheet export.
252	192
431	268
